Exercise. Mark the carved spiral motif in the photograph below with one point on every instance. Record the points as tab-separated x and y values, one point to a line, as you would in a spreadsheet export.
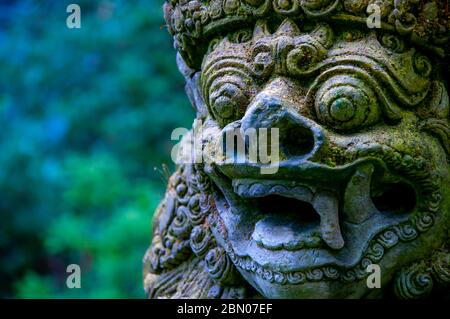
286	6
191	22
195	213
406	232
226	83
355	6
302	59
218	264
404	21
414	282
319	8
268	275
200	180
227	98
230	6
200	240
280	278
375	252
241	36
361	269
315	274
331	273
393	43
181	190
263	61
296	278
360	272
181	226
422	65
441	269
349	276
424	221
388	239
346	103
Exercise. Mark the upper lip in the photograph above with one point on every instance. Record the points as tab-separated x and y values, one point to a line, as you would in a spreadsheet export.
297	169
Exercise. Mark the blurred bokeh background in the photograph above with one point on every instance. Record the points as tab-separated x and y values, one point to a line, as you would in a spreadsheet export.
85	122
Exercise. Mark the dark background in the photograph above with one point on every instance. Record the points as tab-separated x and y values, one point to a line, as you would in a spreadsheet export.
85	122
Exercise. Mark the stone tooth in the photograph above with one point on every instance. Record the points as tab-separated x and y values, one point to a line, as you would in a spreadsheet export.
257	189
278	189
358	206
327	206
302	193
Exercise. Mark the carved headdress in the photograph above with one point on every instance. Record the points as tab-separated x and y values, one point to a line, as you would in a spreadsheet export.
194	22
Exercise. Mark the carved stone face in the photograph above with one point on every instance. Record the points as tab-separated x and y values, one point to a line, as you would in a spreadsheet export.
360	180
358	130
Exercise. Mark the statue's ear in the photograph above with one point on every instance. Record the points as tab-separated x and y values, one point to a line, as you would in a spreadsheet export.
192	88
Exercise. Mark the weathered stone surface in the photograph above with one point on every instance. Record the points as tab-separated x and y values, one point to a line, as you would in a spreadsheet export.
363	170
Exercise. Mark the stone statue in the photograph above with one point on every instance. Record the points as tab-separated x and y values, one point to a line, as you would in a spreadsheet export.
362	182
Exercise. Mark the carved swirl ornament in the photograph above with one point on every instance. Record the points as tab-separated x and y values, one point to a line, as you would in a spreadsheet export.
193	23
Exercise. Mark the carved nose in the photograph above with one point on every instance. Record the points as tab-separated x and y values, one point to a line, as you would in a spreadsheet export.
298	135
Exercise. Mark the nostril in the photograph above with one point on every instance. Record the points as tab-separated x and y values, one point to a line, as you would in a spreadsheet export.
297	141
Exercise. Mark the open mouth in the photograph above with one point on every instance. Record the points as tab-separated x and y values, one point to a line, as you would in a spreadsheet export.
313	218
293	216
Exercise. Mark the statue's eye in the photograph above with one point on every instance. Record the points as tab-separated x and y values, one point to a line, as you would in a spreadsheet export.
228	84
227	99
346	103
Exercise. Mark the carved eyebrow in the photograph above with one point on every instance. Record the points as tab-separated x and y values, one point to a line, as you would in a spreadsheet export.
407	94
382	77
220	62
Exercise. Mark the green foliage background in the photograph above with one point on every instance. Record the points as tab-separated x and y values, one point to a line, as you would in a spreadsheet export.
85	117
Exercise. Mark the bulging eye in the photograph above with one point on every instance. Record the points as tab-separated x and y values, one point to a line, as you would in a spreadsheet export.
227	100
346	103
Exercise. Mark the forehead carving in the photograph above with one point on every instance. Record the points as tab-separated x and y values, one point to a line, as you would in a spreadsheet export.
193	22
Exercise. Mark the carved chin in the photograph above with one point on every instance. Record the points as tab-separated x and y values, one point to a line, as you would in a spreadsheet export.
307	237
